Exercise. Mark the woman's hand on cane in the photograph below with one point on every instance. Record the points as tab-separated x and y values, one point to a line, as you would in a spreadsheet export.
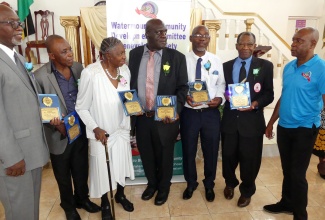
100	135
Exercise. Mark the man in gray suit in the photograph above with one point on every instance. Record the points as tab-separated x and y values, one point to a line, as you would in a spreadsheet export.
69	160
23	149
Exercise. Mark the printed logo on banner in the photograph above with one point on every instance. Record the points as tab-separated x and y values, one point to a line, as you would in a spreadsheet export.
148	9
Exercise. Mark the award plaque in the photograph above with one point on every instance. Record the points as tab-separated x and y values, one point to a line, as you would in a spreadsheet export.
72	126
239	95
165	107
198	92
50	107
131	103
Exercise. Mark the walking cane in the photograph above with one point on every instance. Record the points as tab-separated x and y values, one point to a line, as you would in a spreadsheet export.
109	178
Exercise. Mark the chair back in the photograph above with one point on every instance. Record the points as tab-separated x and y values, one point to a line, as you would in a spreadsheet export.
43	25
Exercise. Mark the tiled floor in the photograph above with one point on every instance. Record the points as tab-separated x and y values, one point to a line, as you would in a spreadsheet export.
197	208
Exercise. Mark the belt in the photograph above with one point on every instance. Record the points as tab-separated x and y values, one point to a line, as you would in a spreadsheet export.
149	114
201	109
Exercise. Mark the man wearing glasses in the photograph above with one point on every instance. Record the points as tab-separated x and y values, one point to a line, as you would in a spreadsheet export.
242	128
23	149
202	118
157	70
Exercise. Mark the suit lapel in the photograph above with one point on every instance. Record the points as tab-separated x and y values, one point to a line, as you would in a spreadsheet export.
163	80
231	68
135	71
254	65
55	84
14	67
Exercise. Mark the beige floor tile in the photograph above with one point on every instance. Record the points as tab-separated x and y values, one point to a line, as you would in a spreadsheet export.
262	197
193	206
261	215
192	217
268	191
232	216
147	209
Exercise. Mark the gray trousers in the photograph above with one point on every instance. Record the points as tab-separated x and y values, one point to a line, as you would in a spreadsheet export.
20	195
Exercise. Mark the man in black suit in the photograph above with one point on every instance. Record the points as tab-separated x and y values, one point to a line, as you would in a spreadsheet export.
242	129
168	76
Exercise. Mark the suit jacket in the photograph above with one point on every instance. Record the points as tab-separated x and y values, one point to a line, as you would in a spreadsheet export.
22	135
250	123
175	83
49	85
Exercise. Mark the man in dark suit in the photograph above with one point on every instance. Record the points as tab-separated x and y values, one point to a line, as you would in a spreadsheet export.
168	76
243	128
60	76
23	148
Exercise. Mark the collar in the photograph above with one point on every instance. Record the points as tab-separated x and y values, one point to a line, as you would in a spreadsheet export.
309	62
8	51
146	50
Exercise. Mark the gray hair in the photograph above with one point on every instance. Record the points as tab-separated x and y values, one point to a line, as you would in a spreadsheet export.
108	44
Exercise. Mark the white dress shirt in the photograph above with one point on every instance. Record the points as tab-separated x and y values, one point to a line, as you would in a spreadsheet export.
214	78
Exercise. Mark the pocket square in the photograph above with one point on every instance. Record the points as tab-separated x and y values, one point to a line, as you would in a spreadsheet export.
215	72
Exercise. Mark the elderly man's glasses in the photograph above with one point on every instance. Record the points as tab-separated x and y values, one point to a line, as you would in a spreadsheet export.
14	24
206	36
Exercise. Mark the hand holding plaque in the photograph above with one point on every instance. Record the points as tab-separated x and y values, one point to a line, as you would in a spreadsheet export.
239	95
198	92
165	107
50	107
130	102
72	126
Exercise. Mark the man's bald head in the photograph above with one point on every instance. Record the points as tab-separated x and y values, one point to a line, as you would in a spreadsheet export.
50	41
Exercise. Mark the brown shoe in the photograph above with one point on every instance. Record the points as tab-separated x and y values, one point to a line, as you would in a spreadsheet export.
243	202
228	192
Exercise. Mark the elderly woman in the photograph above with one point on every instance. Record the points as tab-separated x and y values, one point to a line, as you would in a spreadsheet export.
99	107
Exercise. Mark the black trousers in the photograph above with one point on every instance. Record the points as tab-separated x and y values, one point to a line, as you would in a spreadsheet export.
205	122
72	164
295	147
246	151
157	155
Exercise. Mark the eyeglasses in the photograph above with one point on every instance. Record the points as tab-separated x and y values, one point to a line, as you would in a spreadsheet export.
249	45
14	24
201	36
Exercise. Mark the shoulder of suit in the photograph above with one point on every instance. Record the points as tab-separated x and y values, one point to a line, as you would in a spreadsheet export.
46	68
260	60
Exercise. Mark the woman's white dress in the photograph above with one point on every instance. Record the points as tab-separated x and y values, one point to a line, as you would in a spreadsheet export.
98	105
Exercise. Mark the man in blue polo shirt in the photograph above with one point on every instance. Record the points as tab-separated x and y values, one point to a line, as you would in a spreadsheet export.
298	110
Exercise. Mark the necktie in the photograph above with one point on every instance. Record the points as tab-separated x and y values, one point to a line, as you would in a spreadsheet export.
21	67
150	81
198	69
242	72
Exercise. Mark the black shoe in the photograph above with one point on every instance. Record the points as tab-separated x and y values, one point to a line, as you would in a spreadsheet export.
127	205
72	215
209	194
277	208
188	193
148	193
228	192
88	205
106	213
243	201
161	197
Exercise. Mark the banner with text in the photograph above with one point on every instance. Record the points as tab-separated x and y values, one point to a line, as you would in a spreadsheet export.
126	20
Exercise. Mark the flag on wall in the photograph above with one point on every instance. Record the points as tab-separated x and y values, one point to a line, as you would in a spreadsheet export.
25	15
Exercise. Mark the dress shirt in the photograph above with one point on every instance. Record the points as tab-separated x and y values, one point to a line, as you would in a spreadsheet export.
237	66
68	88
9	52
214	78
143	75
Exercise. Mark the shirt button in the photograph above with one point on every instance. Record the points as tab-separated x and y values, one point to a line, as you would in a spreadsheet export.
69	94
